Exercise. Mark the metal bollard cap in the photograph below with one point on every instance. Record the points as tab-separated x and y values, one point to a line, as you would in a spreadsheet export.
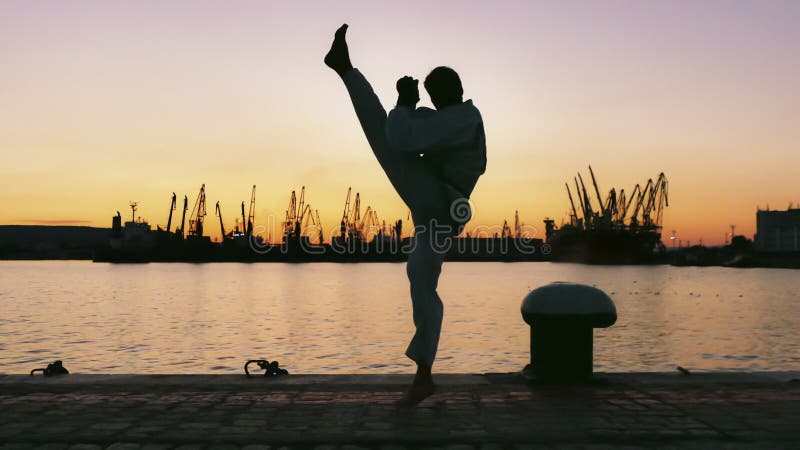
562	300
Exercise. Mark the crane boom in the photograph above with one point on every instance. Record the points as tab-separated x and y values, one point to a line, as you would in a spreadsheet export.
183	216
580	199
319	225
171	208
603	213
291	214
572	203
252	213
244	222
640	201
218	213
301	205
587	204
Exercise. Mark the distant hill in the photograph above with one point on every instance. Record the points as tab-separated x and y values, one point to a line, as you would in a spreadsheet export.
50	242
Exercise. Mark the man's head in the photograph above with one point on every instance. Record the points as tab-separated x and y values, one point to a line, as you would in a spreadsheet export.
444	87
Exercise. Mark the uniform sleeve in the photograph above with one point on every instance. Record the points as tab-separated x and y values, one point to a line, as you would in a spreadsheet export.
426	130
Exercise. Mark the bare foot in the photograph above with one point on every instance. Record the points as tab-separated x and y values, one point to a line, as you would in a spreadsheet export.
338	57
417	393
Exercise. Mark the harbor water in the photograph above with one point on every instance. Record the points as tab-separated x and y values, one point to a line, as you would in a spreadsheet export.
356	318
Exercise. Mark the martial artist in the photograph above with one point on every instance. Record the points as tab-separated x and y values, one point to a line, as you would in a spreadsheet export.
433	159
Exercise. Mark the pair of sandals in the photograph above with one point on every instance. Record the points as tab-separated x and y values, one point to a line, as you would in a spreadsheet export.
270	368
56	368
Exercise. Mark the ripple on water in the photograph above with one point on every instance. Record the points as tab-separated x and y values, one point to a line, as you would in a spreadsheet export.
184	318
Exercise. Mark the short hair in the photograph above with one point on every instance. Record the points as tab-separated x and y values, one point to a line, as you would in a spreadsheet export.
444	85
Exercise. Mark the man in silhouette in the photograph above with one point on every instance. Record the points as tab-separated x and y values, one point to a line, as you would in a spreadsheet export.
433	158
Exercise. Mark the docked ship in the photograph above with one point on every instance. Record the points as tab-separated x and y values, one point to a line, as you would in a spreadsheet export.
620	229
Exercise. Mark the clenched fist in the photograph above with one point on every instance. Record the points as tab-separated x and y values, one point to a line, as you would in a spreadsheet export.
407	92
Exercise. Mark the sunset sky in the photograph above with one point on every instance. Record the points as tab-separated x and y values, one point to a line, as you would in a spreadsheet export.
106	102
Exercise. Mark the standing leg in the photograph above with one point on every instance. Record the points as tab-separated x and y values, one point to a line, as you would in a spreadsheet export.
423	269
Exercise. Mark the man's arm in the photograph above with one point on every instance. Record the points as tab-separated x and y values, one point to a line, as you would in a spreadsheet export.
425	130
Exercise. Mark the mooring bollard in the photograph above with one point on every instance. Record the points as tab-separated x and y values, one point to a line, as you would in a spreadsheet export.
562	317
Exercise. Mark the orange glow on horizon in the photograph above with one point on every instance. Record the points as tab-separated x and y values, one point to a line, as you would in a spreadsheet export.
103	104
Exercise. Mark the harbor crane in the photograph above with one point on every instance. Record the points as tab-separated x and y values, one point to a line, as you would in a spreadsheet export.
319	225
252	213
657	200
290	218
311	216
362	227
302	210
244	221
506	233
635	193
640	201
603	213
183	217
610	207
218	213
574	219
198	214
589	215
619	212
171	209
293	219
343	223
354	220
586	220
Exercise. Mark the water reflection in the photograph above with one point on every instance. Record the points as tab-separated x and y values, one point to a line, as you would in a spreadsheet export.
326	318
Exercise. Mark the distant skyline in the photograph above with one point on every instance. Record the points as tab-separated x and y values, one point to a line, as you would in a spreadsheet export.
105	102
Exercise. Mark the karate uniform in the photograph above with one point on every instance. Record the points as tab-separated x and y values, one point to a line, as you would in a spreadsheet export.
433	158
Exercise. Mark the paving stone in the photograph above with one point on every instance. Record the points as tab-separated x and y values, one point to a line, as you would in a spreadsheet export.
503	415
124	446
52	446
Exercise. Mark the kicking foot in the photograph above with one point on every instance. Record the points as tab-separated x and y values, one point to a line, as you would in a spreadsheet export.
417	393
338	58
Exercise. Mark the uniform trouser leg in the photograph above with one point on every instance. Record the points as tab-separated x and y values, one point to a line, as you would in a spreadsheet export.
427	197
423	269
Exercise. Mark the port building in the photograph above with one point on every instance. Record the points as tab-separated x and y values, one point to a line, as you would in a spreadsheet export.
778	231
